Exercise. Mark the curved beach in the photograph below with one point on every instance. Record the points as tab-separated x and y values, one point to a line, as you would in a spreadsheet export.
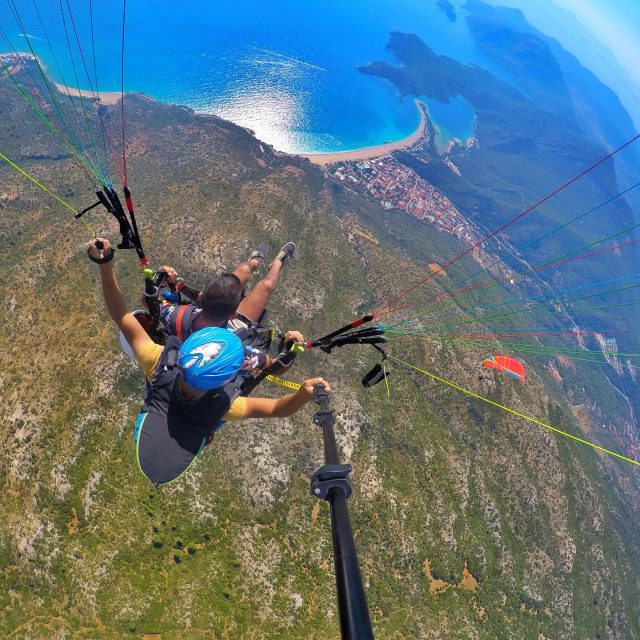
372	152
104	97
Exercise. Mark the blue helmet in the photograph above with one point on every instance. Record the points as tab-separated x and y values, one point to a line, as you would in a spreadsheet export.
210	357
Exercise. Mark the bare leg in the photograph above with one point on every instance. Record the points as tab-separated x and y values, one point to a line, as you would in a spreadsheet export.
255	303
245	269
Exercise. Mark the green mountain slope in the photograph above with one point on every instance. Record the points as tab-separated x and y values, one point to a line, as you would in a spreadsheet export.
239	549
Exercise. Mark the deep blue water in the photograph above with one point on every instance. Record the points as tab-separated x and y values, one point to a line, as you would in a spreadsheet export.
286	69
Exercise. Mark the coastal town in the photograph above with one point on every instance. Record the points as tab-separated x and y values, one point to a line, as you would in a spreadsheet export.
609	348
10	63
396	186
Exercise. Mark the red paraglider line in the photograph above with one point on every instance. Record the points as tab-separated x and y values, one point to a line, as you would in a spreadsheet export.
124	148
474	287
505	225
492	336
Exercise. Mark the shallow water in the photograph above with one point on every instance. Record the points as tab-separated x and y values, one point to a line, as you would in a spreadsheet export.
454	120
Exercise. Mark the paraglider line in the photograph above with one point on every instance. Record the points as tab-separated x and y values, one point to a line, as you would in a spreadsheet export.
437	334
35	90
507	224
53	195
82	102
96	98
541	351
556	261
534	309
50	124
124	149
82	124
451	291
95	67
516	413
386	379
540	267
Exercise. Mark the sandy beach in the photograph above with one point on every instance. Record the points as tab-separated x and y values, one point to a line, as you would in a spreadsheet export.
372	152
105	97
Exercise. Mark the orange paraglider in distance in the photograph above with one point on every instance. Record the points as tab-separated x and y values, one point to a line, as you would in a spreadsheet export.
508	365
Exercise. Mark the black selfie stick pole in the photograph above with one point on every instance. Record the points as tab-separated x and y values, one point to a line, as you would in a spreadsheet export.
331	482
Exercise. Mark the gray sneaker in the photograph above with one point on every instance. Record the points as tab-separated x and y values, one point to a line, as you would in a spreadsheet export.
259	252
286	253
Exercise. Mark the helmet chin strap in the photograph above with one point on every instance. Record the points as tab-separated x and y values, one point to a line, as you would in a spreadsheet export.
190	393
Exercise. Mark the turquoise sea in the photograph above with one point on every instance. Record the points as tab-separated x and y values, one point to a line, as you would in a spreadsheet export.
286	69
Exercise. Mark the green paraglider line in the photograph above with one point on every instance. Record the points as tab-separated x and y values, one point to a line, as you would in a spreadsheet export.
488	340
509	331
385	309
540	307
386	379
533	352
75	75
544	265
96	97
95	69
451	292
50	90
67	146
557	261
479	320
84	125
562	292
542	350
53	195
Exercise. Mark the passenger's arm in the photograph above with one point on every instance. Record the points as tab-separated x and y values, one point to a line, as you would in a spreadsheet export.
285	406
291	338
256	360
132	330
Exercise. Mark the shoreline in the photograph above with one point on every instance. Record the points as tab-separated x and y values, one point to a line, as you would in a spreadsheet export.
109	98
366	153
105	97
112	98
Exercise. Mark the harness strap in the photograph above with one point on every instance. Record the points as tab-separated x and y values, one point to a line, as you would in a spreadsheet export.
179	315
172	358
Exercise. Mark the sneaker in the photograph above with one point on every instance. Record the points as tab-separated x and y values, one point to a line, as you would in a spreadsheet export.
259	252
286	253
